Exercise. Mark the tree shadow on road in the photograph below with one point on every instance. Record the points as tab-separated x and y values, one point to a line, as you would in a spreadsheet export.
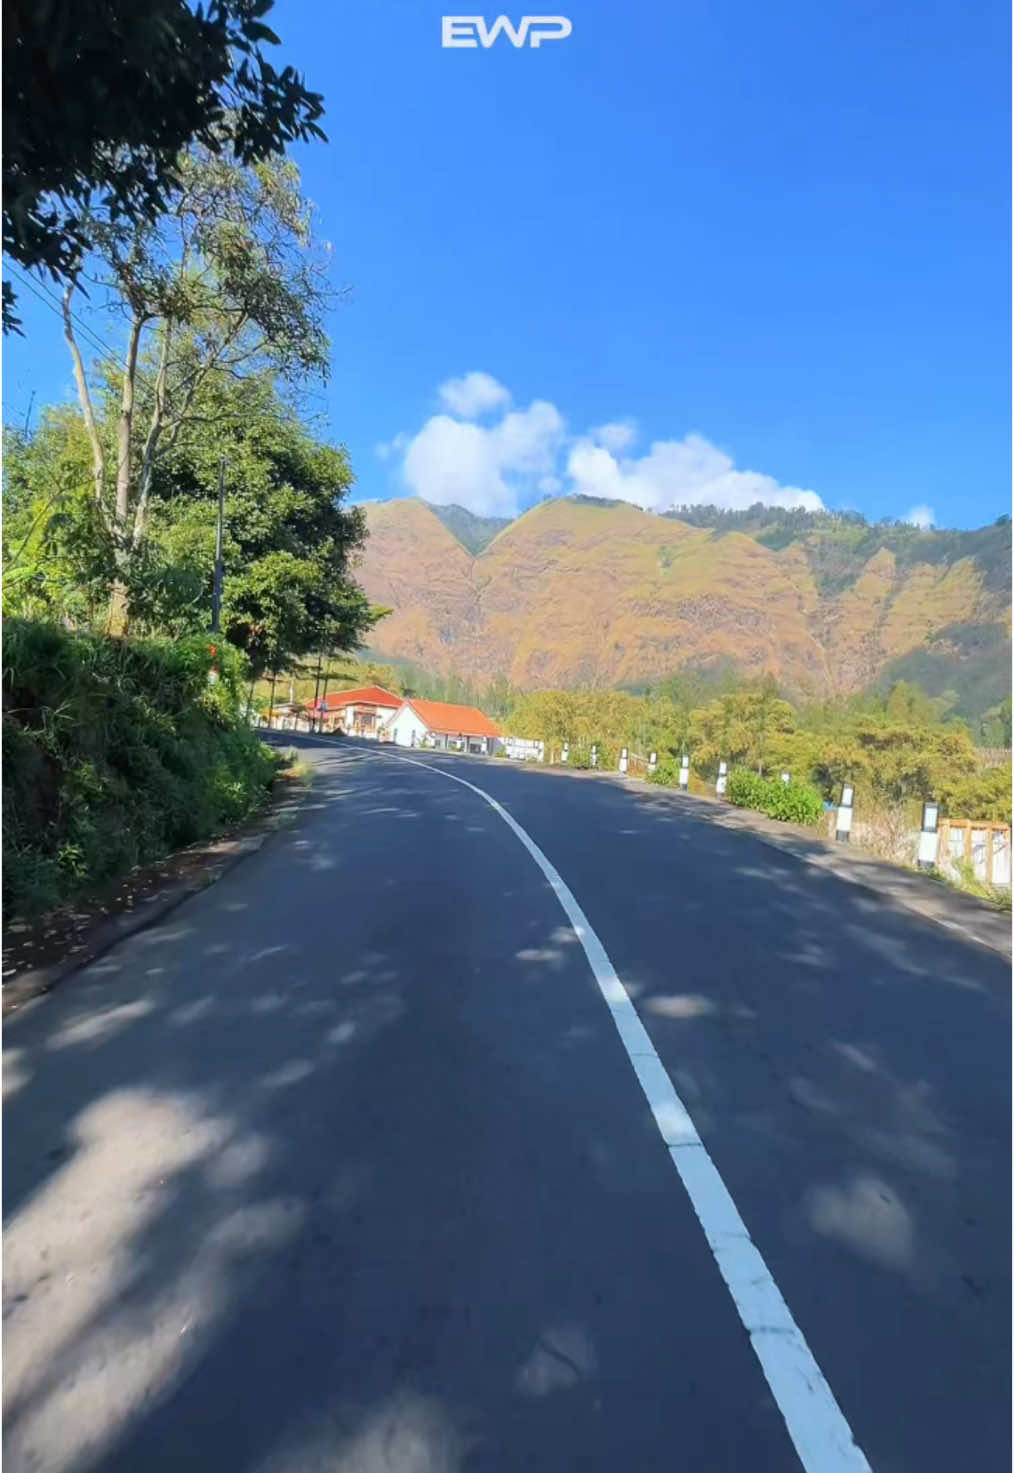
350	1173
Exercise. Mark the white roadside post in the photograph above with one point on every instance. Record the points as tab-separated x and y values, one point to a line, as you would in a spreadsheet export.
723	777
623	759
928	839
595	754
652	763
684	773
542	751
843	823
565	754
786	777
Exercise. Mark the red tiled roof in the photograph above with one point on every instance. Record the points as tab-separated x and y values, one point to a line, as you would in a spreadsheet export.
366	695
448	720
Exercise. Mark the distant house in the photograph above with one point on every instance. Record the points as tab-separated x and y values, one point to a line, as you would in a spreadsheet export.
361	712
444	726
285	716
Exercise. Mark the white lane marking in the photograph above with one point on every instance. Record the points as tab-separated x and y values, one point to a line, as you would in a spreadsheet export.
815	1423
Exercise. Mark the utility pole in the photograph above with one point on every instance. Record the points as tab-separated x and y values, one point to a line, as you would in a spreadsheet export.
327	677
316	695
216	587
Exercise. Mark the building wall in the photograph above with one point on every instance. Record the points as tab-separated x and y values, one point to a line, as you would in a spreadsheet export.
404	725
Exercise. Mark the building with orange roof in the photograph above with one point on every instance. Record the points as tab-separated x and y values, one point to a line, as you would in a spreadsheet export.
359	712
441	724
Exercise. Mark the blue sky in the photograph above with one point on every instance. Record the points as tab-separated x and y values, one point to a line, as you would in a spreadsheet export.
698	251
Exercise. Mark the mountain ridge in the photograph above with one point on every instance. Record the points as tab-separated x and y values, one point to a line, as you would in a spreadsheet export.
580	592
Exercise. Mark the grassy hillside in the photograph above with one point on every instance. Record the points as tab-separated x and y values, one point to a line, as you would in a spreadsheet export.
583	593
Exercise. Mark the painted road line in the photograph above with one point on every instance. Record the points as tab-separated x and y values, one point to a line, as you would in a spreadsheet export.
815	1423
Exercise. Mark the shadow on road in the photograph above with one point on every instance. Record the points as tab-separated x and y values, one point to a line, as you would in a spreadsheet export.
343	1168
313	1176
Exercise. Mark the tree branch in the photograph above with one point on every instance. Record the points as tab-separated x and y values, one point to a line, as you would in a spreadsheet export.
151	440
85	399
125	426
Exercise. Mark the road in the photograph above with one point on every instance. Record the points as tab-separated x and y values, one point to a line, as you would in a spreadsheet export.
344	1165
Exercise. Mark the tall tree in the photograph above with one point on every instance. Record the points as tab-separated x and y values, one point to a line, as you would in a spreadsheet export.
101	97
227	283
291	540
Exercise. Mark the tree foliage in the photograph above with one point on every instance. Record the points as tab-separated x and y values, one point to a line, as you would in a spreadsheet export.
894	749
115	753
290	539
747	727
226	286
102	97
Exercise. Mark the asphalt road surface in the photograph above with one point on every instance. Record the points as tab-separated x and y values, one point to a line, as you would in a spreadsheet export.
344	1166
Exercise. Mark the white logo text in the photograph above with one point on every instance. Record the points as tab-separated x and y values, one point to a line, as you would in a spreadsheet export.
531	30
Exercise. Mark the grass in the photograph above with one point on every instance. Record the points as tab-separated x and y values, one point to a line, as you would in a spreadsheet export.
968	883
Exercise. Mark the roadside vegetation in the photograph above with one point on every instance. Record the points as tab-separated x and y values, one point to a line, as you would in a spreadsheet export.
116	753
173	244
894	748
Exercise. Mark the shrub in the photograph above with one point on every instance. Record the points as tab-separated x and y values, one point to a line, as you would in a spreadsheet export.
747	789
116	752
794	803
788	802
667	773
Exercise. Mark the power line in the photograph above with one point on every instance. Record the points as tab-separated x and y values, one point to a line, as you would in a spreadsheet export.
55	305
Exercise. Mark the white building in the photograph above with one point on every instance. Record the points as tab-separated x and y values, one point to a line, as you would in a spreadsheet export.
444	726
360	712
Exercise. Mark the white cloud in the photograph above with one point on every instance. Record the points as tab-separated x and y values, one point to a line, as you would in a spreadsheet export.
921	516
488	470
513	458
618	435
688	472
473	394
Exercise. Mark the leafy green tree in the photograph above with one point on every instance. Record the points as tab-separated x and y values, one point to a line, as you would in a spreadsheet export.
290	546
983	796
995	725
908	703
748	728
101	97
57	559
888	762
290	538
226	285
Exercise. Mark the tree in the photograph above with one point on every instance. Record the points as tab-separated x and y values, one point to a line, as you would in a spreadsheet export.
101	97
908	703
995	724
290	546
290	542
888	762
747	727
57	558
226	284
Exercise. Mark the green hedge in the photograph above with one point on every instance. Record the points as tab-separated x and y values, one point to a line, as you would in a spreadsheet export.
791	802
116	752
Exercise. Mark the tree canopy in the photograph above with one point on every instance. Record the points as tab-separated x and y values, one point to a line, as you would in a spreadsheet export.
290	539
102	97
